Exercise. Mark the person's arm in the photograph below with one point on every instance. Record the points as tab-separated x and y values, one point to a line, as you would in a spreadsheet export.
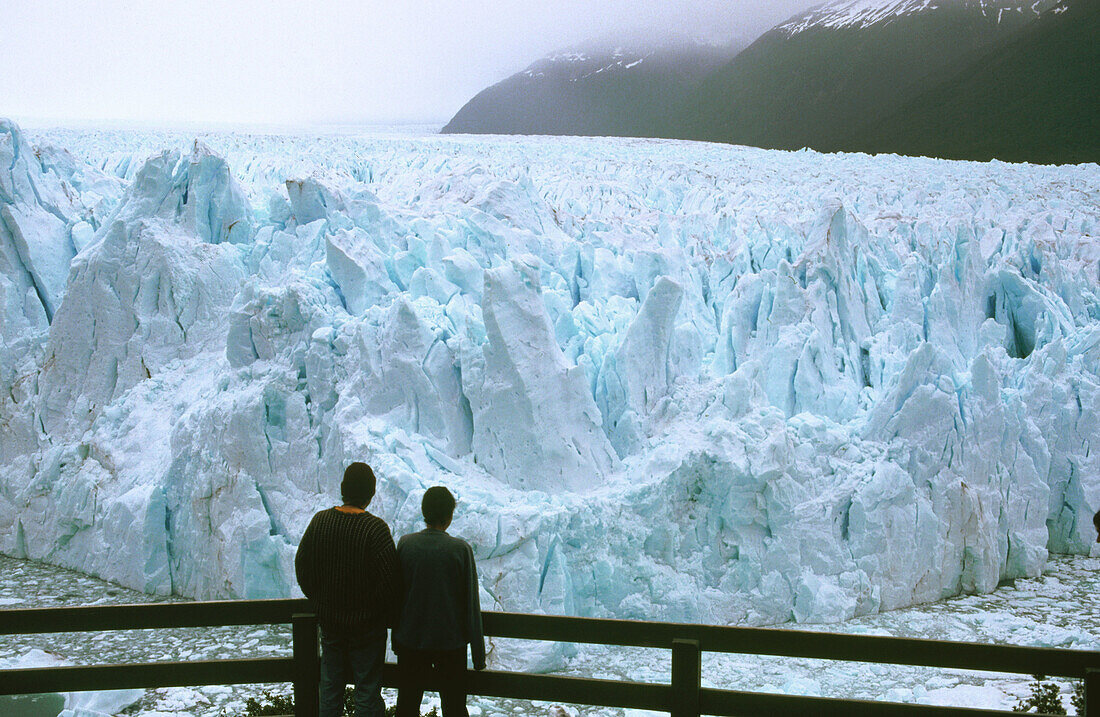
389	574
305	561
402	595
473	616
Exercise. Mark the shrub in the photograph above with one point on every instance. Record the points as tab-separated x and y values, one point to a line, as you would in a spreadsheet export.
1044	699
269	704
273	704
1078	698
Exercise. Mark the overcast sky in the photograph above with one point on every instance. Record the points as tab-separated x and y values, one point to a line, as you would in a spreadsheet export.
302	62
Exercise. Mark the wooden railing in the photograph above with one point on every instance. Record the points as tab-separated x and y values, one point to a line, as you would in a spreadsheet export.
682	697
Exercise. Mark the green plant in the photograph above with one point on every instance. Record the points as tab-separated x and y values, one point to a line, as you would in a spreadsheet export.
273	704
1078	698
269	704
1044	698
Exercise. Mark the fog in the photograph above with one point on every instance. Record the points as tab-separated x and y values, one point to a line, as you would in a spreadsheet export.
299	63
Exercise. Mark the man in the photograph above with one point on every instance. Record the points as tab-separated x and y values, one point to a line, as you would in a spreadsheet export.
347	566
440	612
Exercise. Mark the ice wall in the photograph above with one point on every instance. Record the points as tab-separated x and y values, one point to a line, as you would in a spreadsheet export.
665	379
51	204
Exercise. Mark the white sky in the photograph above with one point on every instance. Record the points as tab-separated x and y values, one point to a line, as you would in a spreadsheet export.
303	61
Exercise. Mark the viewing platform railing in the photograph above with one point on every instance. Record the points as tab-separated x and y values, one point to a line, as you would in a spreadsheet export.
682	697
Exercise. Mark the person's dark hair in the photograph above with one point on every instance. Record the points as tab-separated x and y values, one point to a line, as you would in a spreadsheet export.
357	488
438	506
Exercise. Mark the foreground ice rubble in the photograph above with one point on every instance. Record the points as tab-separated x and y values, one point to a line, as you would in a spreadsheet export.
1057	609
665	380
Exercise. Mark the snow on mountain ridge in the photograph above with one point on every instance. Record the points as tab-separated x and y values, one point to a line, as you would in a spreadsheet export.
581	65
592	58
867	13
667	380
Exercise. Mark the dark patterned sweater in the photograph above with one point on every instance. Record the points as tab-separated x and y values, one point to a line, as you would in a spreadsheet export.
347	566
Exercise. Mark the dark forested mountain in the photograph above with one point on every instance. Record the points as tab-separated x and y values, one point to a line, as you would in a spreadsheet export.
1012	79
812	80
598	89
1034	98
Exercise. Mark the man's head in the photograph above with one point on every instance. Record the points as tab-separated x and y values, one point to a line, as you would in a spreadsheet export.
438	507
1096	524
357	488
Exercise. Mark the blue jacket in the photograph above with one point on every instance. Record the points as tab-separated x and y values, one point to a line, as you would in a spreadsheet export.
440	609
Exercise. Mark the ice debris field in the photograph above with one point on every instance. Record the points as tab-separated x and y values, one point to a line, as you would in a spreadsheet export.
665	380
1061	608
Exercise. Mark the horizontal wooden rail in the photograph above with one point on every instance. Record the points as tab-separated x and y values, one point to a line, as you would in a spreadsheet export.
604	693
36	680
682	697
796	643
730	703
1056	662
144	616
574	690
548	688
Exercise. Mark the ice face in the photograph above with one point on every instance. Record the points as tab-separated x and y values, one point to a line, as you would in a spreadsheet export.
535	423
49	203
664	379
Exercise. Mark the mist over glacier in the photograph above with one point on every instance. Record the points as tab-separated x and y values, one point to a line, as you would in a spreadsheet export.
665	379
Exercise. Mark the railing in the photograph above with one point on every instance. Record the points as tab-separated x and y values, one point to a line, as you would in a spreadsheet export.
683	697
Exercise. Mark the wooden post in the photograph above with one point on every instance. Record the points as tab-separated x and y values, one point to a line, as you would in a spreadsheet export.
687	676
307	665
1092	693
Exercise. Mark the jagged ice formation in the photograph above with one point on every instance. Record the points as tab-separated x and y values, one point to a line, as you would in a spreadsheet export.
666	380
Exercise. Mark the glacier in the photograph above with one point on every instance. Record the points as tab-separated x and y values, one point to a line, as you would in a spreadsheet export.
665	380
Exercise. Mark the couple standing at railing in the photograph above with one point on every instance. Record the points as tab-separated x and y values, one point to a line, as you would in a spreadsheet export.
426	589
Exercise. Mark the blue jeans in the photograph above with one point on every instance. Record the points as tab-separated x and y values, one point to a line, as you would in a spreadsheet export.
356	658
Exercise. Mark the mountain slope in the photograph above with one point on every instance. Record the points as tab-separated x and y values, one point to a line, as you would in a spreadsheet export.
593	91
809	81
1033	99
966	79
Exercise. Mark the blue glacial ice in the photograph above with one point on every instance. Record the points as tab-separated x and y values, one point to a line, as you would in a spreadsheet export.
666	380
